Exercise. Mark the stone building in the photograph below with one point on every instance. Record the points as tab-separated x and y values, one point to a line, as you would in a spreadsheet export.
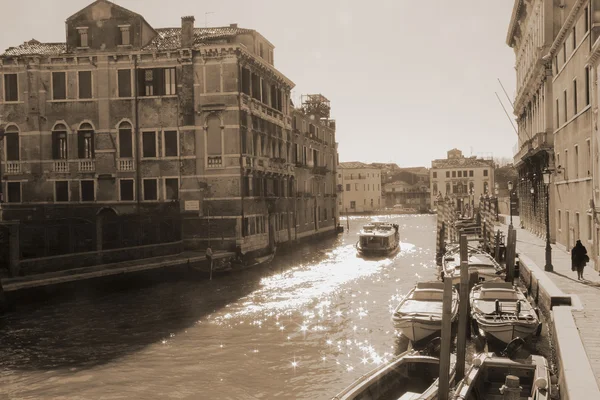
572	116
532	28
360	187
407	195
127	118
462	179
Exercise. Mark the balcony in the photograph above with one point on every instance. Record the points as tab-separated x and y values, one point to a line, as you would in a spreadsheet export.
215	162
61	166
13	167
87	166
126	165
320	170
541	141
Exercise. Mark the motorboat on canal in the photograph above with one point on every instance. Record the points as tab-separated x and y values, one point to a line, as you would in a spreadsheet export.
410	376
501	311
226	265
481	262
378	239
419	314
487	377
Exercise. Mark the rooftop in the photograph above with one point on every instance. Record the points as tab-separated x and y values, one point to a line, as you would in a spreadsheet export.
355	165
167	39
461	162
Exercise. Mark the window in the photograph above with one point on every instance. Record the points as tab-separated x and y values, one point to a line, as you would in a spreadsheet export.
574	96
576	162
124	82
447	174
59	86
348	187
157	82
85	141
61	191
83	37
11	87
171	189
59	142
170	143
125	37
586	22
12	143
559	220
564	52
356	187
435	175
125	140
587	86
213	136
574	38
88	191
150	189
485	172
85	84
589	227
565	104
261	50
557	114
566	167
149	144
470	173
454	174
435	188
126	190
14	192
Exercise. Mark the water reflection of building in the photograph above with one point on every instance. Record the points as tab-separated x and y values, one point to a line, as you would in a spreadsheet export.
128	118
360	187
462	179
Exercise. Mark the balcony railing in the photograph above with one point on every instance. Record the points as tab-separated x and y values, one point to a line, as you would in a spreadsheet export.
320	170
61	166
126	165
13	167
215	162
87	165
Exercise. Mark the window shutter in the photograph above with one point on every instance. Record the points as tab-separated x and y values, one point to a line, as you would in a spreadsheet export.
55	150
80	145
158	77
141	82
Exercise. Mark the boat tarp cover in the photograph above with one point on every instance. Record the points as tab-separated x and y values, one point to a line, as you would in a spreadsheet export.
421	307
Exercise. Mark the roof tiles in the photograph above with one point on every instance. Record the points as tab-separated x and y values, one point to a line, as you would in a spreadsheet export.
34	47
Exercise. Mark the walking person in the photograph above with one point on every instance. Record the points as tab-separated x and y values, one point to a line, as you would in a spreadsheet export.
209	258
579	258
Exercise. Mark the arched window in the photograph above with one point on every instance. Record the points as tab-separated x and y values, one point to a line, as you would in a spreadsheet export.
59	142
85	141
125	140
435	189
12	143
214	145
448	188
471	187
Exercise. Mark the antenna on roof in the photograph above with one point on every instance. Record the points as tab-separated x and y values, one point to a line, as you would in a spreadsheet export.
206	19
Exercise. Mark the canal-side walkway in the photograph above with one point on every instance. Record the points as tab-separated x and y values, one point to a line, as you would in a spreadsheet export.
97	271
585	294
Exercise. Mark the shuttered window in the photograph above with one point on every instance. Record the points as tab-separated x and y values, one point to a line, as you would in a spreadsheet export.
85	84
124	78
59	86
11	90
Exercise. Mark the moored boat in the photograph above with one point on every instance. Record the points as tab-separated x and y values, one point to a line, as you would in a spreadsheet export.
481	262
419	314
488	374
409	376
501	311
378	239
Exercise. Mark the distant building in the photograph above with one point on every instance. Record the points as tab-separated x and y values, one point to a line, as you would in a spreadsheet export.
359	186
406	195
462	179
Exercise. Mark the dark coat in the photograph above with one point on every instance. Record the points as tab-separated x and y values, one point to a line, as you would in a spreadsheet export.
579	256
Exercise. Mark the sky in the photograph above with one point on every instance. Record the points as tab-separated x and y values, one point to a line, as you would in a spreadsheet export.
407	80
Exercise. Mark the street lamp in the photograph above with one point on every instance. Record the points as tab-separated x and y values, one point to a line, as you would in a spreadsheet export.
496	199
510	194
548	267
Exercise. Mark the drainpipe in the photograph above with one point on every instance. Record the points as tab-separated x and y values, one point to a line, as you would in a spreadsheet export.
137	146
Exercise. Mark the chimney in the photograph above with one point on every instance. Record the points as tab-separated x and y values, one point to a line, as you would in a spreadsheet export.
233	25
187	31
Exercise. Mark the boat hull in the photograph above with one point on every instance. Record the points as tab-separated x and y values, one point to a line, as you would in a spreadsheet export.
506	332
377	252
418	330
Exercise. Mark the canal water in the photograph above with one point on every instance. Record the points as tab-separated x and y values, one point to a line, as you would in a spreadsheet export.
304	327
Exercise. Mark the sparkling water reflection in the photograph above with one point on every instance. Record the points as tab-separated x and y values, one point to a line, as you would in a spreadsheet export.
302	328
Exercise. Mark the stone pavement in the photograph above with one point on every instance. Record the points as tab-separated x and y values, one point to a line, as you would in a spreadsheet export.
587	292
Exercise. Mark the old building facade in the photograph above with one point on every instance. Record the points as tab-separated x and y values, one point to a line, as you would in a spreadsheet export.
573	123
126	118
462	179
401	194
531	33
359	187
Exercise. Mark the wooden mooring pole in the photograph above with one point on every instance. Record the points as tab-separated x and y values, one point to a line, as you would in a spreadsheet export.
463	311
511	247
497	246
347	221
444	382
